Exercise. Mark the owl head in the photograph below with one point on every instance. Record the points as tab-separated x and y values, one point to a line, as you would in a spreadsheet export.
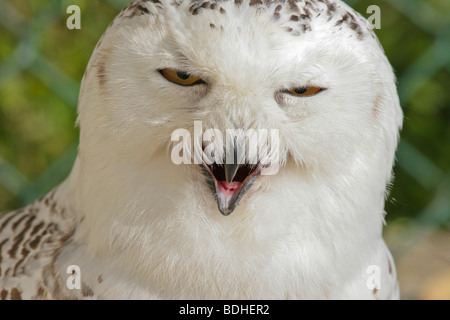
312	70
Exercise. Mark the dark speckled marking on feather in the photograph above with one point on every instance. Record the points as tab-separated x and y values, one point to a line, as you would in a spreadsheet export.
292	6
300	11
19	238
255	2
8	219
331	7
1	245
16	294
41	293
101	73
37	228
18	221
24	254
138	8
86	291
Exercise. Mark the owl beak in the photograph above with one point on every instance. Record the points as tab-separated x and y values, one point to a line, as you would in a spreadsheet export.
230	172
229	194
230	183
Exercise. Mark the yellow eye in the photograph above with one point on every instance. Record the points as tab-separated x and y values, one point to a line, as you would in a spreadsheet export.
305	91
180	77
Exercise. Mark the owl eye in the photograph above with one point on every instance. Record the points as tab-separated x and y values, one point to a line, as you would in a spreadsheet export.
305	91
180	77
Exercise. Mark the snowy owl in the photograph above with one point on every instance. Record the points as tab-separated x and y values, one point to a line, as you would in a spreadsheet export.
130	223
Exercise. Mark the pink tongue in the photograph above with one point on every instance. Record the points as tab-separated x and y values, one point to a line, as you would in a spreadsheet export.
228	189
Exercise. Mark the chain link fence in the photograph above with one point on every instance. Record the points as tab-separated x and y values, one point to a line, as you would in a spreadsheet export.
42	63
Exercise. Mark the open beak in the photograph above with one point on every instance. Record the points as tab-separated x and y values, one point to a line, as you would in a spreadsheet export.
230	182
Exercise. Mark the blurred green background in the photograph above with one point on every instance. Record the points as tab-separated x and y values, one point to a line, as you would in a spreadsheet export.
42	63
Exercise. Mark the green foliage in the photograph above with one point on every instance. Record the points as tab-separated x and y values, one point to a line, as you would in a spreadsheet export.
42	63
